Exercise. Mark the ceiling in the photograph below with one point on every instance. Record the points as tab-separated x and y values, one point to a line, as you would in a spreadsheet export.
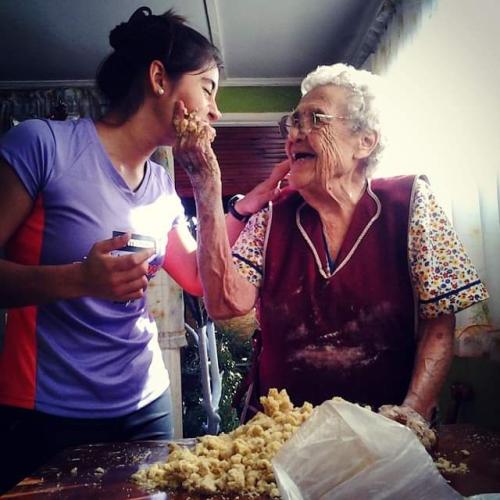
263	42
59	43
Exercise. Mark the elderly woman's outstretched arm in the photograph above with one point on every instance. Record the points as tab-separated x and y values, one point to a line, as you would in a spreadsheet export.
226	292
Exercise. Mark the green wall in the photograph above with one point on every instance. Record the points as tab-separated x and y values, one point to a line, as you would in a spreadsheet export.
257	99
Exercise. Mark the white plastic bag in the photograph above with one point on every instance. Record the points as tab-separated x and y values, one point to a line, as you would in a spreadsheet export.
344	451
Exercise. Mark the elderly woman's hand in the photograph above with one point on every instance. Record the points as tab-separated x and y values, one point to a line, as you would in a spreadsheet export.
408	416
266	191
193	147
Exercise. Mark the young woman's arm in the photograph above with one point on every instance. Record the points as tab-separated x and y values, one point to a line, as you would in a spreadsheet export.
100	275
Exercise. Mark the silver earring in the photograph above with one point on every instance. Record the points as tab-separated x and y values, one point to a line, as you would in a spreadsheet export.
161	91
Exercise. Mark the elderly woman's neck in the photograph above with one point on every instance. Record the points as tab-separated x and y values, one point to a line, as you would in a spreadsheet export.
335	204
338	196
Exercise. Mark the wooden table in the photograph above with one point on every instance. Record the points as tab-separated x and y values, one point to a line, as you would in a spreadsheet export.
483	460
75	473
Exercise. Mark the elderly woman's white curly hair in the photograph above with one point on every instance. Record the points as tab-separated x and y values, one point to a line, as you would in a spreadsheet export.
364	102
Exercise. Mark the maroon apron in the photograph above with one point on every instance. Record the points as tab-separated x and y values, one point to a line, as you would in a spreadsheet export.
346	329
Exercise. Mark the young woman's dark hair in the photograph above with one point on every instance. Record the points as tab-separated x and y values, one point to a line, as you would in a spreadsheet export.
143	38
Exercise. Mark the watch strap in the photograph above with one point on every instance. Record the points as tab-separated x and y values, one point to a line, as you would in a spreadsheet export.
232	209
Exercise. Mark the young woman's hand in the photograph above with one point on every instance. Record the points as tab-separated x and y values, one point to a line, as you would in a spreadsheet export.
120	278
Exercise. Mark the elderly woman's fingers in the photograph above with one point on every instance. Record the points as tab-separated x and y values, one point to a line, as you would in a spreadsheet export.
413	420
190	125
279	179
179	118
193	148
266	191
280	171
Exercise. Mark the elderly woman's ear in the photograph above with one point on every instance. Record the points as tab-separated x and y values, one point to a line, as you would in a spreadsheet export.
368	140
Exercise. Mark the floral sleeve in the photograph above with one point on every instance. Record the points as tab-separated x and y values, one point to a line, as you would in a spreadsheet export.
248	251
444	277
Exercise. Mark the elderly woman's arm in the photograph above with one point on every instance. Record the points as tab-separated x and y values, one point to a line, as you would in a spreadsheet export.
226	292
446	282
432	363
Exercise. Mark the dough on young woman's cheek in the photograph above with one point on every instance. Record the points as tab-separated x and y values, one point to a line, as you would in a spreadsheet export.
180	125
192	126
189	124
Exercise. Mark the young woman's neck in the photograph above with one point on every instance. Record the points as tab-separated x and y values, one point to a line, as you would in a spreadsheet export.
128	142
128	145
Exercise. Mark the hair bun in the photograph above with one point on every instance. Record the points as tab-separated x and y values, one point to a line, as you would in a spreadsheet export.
125	33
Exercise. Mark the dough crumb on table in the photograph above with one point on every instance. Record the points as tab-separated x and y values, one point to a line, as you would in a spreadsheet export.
445	465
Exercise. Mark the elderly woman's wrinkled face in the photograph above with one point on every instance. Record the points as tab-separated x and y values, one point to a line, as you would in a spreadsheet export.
321	154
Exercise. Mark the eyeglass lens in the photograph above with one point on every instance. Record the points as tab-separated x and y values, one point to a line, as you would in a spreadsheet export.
303	121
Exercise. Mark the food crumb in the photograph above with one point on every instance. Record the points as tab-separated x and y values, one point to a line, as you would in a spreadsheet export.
445	465
74	471
465	453
99	470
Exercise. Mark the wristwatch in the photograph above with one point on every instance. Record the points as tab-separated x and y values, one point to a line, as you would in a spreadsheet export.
232	210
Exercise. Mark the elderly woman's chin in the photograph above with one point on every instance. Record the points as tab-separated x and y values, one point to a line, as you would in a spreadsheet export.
299	179
292	183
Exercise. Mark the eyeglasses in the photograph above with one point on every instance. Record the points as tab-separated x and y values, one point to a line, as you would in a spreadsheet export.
306	122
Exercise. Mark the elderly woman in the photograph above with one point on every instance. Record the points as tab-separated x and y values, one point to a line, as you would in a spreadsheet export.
356	280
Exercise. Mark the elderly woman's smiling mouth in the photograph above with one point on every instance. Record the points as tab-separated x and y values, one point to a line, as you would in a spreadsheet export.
299	157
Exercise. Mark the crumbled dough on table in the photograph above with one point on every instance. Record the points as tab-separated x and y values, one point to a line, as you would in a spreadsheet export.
237	462
445	465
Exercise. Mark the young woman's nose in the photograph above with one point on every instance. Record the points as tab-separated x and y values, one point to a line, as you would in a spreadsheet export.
213	113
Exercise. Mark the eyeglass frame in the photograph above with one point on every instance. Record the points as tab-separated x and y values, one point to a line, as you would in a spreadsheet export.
317	121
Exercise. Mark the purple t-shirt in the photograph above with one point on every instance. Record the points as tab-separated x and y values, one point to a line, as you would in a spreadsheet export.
87	358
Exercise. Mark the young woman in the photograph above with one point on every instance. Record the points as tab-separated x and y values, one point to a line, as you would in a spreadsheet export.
86	220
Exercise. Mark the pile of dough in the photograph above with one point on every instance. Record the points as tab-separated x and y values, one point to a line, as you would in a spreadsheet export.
237	462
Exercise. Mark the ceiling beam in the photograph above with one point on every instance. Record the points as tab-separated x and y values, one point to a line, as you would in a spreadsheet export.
44	84
213	23
261	82
229	82
249	120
